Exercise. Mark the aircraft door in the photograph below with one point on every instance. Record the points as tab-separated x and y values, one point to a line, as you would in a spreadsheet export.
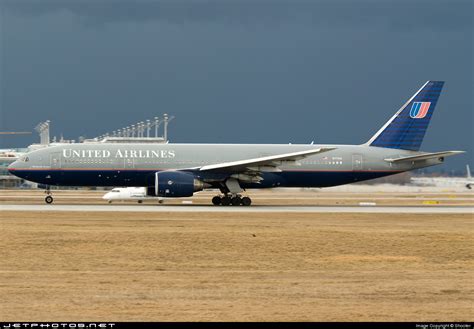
129	163
356	162
55	160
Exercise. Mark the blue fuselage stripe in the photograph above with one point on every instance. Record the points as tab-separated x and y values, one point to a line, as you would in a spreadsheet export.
296	178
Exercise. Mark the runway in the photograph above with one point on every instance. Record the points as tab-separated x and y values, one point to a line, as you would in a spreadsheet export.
251	209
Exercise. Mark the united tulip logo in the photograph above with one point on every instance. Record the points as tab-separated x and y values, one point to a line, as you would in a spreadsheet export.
419	110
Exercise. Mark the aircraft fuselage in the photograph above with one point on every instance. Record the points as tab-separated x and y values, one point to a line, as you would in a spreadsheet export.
111	164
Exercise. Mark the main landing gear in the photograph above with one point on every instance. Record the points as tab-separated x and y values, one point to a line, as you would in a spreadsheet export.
49	198
231	200
231	197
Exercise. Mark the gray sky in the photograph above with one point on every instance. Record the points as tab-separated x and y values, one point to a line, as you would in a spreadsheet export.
235	71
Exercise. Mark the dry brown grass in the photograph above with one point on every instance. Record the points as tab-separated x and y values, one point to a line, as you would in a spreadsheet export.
234	266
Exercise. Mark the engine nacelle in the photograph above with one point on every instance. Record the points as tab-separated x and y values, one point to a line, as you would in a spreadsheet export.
175	184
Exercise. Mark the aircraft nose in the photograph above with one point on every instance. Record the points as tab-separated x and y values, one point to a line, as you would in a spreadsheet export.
12	167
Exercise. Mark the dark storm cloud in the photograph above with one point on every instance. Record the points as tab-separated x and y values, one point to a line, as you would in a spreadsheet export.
432	14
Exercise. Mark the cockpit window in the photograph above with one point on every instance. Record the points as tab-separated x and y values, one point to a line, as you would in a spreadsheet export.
24	159
115	191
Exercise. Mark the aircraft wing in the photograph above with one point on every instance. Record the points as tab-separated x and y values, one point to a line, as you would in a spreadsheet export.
267	163
424	156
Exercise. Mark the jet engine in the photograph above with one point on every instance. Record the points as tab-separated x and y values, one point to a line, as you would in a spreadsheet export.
175	184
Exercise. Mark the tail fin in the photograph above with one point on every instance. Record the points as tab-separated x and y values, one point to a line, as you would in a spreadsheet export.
468	171
406	129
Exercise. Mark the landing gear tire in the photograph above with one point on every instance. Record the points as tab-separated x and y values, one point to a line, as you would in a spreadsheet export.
236	201
225	201
228	200
48	199
216	201
140	201
246	201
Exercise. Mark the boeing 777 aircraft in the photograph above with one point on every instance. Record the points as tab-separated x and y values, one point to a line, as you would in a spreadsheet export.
179	170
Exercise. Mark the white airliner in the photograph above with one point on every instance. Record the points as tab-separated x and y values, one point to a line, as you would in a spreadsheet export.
129	193
468	182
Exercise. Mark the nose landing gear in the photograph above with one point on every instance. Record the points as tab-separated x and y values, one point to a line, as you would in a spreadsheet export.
49	198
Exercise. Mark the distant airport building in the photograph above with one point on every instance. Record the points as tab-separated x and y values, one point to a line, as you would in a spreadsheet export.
142	132
467	181
8	156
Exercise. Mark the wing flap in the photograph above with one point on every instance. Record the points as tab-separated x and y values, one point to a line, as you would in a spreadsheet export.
267	162
424	156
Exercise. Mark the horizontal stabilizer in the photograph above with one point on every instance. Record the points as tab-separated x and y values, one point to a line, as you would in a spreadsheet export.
272	160
424	156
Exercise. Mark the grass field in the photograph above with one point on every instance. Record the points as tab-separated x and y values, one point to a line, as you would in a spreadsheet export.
235	267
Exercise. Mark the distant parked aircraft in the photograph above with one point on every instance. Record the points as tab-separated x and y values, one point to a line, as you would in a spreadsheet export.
468	182
128	193
179	170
